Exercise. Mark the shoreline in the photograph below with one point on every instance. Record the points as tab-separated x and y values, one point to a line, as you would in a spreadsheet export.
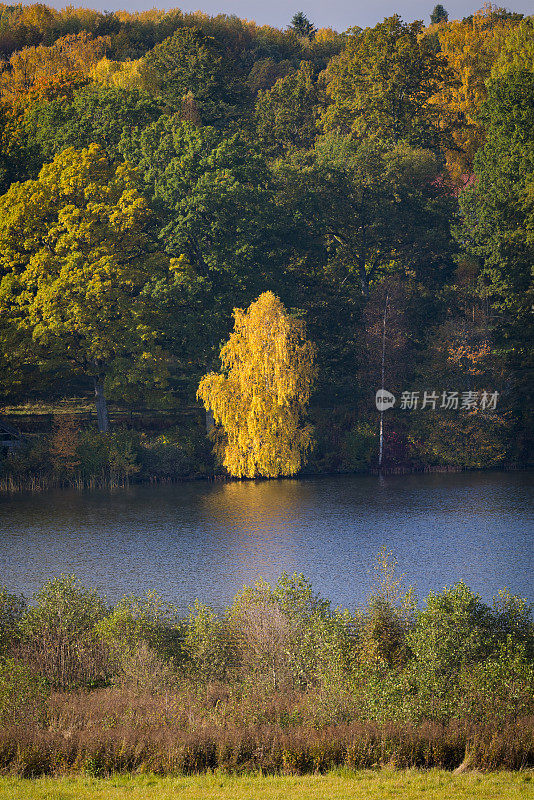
37	484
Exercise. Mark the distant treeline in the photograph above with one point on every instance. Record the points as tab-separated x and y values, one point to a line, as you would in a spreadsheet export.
158	170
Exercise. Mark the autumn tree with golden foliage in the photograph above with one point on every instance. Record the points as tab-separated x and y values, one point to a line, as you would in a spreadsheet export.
471	48
258	398
72	56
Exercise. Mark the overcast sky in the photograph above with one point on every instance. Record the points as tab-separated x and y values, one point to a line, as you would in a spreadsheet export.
338	14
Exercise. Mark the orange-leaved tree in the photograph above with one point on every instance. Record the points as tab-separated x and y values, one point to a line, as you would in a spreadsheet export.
471	47
258	399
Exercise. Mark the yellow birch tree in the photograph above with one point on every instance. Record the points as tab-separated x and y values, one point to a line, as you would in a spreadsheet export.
258	398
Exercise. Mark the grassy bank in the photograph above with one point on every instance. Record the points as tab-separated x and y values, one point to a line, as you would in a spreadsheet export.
379	785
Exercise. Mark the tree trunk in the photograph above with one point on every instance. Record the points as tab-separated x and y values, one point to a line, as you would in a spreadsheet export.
101	406
381	450
364	277
210	422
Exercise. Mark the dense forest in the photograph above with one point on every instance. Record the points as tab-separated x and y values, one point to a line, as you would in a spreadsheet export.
159	170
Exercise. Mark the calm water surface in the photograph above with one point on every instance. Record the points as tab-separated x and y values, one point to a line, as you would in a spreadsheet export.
207	540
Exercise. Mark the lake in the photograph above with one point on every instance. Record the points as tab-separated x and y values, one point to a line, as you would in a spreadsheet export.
207	540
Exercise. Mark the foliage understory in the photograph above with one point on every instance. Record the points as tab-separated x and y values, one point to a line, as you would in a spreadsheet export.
63	449
278	682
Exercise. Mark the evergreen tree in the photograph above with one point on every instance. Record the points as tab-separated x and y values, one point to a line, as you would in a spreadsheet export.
439	14
302	26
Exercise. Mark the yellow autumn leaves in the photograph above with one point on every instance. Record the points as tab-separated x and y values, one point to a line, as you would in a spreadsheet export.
73	256
258	398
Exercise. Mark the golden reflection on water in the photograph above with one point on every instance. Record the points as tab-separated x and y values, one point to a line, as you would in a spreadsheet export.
256	522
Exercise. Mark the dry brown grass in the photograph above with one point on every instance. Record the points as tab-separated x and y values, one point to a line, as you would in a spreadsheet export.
180	732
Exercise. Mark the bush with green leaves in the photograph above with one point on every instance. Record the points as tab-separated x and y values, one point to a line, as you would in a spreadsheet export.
23	695
454	630
461	647
111	457
288	636
512	617
384	624
58	634
31	459
11	610
322	647
499	688
179	452
210	645
140	630
359	446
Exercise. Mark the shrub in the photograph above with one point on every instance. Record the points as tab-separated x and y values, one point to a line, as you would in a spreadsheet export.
209	645
143	669
386	621
64	446
58	634
263	633
11	611
93	453
178	452
23	696
498	689
321	646
359	446
288	635
455	629
113	456
513	618
141	630
31	459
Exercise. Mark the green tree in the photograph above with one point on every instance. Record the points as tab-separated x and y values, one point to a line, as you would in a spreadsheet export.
94	114
287	114
215	215
259	398
380	85
498	210
517	51
371	208
302	26
191	61
439	14
75	261
497	229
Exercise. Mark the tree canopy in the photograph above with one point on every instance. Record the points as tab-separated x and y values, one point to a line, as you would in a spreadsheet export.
75	264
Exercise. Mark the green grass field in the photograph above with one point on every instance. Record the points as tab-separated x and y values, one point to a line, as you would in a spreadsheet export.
365	785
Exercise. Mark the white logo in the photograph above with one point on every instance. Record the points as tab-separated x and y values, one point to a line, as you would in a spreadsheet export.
384	400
